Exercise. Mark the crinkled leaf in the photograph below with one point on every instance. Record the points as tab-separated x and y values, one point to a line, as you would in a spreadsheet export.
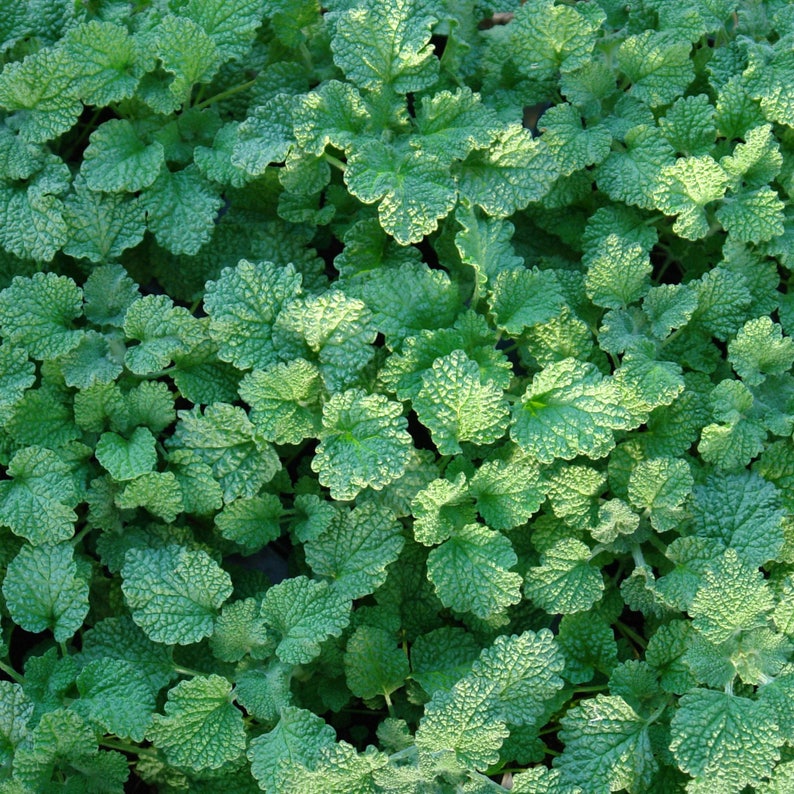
455	404
565	582
514	171
724	739
37	502
356	548
37	312
304	613
470	572
44	590
606	742
117	160
117	696
569	409
243	304
414	190
378	45
181	209
374	663
364	442
174	593
201	728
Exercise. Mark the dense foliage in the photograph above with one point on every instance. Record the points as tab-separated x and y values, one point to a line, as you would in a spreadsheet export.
397	396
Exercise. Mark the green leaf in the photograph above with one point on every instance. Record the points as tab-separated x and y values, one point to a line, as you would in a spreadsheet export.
356	548
251	523
162	330
608	743
508	492
38	502
522	298
760	349
525	669
514	171
333	330
374	663
157	491
116	160
15	714
725	740
201	492
546	38
565	582
304	613
405	297
689	125
768	75
240	631
588	644
733	598
743	512
618	273
265	136
17	373
332	113
231	25
119	638
181	210
115	695
37	312
573	146
201	728
455	404
633	175
753	216
364	442
42	417
569	409
264	692
390	46
187	53
756	162
126	459
90	362
44	590
224	438
108	293
442	657
660	486
658	64
41	88
453	124
243	305
485	244
685	188
106	62
470	572
414	190
297	739
174	593
102	226
460	727
441	508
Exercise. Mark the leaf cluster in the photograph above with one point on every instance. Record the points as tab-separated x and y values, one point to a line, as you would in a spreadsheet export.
396	397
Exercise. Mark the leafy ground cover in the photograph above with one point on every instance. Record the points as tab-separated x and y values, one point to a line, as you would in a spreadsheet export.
397	396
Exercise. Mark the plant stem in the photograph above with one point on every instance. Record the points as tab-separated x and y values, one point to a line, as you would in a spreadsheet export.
335	162
11	673
225	94
629	632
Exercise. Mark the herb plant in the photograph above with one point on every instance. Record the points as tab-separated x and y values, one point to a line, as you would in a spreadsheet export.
397	396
